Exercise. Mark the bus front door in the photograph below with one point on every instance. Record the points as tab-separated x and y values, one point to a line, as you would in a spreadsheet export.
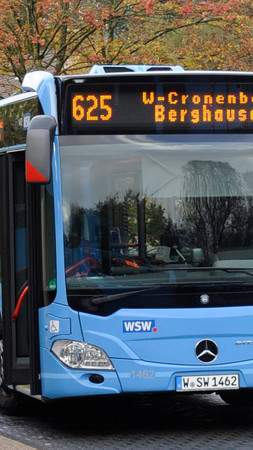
19	319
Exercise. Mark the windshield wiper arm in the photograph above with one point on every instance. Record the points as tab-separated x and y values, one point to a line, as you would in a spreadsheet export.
98	300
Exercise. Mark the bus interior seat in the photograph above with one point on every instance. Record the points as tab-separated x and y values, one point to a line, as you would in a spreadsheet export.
197	255
163	254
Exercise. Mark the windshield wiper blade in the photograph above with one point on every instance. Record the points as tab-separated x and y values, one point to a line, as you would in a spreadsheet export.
247	272
98	300
211	269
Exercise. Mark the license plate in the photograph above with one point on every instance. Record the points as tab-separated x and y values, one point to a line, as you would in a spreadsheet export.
207	382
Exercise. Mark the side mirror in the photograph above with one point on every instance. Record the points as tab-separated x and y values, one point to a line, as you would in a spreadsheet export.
39	147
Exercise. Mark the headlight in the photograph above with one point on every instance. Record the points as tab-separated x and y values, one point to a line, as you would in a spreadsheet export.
81	355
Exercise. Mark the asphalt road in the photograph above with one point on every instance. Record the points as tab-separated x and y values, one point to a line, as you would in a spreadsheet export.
151	422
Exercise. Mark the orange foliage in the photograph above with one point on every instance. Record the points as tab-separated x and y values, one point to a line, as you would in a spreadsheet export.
70	35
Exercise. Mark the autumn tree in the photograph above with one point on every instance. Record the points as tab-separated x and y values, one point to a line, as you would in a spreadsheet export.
41	34
225	43
139	31
70	35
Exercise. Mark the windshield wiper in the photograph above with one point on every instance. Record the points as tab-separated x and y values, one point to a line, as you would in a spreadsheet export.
101	299
210	269
247	272
98	300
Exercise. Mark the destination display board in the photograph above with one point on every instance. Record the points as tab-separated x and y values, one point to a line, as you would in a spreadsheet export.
160	107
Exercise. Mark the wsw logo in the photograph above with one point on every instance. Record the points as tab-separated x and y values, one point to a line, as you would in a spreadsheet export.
139	326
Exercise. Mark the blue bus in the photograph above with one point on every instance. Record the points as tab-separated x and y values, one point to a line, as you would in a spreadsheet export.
126	234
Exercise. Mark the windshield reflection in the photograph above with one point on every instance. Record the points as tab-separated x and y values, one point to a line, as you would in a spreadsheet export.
142	211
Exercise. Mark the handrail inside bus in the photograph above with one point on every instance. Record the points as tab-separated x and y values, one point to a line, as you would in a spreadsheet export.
19	303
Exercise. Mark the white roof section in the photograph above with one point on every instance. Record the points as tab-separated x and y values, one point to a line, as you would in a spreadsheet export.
33	80
43	83
116	68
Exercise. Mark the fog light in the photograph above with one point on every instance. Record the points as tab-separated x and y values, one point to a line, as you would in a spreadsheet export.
81	355
96	378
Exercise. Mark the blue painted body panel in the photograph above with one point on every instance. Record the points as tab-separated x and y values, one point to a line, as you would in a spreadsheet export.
178	332
141	376
146	361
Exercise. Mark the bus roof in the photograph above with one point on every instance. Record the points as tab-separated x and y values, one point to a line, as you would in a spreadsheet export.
33	81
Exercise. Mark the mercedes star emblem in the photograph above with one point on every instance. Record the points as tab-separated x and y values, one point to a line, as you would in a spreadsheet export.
206	351
204	298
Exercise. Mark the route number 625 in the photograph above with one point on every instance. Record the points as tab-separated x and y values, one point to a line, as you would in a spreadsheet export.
91	107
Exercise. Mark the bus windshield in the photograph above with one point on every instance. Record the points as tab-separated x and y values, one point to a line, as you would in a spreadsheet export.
157	209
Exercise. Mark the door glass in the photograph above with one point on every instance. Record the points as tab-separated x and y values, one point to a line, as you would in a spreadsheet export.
20	242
